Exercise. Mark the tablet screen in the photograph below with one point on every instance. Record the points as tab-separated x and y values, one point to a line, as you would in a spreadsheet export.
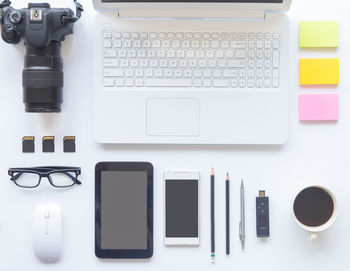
124	210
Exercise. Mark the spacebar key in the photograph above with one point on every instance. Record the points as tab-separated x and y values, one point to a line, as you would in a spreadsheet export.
168	83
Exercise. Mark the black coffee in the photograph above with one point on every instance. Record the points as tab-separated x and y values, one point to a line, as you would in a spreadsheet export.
313	206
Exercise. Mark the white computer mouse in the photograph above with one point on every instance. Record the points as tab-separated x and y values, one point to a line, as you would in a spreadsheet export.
47	232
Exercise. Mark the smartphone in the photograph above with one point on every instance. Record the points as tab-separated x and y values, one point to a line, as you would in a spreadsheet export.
181	210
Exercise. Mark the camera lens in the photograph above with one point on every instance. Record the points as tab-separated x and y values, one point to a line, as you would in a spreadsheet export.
43	79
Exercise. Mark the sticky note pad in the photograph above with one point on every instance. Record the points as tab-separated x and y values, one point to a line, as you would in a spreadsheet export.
318	34
318	107
319	71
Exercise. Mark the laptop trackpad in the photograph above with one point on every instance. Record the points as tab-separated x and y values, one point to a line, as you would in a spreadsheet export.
173	117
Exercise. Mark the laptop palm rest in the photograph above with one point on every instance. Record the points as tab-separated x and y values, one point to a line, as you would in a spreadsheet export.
173	117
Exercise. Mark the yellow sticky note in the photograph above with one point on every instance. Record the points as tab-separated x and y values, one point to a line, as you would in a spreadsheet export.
318	34
323	71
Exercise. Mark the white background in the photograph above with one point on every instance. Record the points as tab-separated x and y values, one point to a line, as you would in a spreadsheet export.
314	154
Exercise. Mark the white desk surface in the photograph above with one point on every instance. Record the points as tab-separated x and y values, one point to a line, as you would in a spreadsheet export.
314	154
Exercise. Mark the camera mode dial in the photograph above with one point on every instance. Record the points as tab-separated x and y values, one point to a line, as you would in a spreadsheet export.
15	17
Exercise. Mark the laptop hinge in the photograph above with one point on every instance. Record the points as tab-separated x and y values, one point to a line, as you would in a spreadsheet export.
189	14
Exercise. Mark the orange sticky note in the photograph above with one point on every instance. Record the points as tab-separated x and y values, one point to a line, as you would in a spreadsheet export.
319	71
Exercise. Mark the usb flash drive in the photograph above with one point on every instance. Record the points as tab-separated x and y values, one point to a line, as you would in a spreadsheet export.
262	215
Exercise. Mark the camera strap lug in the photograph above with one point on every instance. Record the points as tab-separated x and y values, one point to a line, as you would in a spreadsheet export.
5	3
79	10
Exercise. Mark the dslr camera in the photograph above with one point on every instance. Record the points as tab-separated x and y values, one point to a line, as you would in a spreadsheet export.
43	29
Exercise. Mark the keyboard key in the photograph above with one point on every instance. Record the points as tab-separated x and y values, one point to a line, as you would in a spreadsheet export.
207	73
138	73
134	35
139	82
217	73
276	35
153	35
143	35
268	36
259	83
188	35
129	73
117	43
240	53
168	82
110	53
275	44
197	82
250	83
121	53
275	59
202	63
168	73
229	73
178	73
234	83
113	72
107	44
259	44
108	82
197	73
267	83
129	82
126	35
236	63
158	72
267	44
221	83
207	83
107	35
110	62
242	83
117	35
238	44
119	82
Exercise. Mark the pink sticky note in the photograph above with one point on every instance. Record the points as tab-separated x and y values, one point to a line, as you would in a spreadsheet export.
318	107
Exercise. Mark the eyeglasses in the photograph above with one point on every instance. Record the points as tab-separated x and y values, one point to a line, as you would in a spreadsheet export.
60	177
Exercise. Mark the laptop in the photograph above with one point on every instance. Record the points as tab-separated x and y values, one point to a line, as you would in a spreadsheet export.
199	72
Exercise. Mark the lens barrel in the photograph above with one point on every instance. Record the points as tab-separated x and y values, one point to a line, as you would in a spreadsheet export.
43	79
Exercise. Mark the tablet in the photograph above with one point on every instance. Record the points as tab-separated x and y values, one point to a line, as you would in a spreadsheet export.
124	210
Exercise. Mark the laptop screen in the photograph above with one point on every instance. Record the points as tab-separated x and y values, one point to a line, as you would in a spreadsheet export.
222	1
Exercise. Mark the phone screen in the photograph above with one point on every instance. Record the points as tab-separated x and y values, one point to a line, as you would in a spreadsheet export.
181	208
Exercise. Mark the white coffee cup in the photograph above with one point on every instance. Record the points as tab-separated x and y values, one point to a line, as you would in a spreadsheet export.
314	230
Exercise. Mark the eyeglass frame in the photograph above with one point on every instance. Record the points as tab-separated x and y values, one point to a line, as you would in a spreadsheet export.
44	172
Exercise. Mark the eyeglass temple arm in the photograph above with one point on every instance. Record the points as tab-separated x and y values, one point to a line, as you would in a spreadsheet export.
15	176
75	179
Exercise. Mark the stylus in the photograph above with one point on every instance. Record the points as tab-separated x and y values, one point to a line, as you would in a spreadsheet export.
227	214
212	214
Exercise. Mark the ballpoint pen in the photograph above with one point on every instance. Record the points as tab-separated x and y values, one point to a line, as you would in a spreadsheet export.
242	222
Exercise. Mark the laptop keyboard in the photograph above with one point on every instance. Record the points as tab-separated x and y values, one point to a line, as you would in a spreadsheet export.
191	59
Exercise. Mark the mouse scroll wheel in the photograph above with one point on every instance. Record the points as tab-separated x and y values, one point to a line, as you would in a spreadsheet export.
47	214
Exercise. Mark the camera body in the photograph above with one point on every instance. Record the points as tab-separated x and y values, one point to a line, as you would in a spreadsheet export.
43	29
